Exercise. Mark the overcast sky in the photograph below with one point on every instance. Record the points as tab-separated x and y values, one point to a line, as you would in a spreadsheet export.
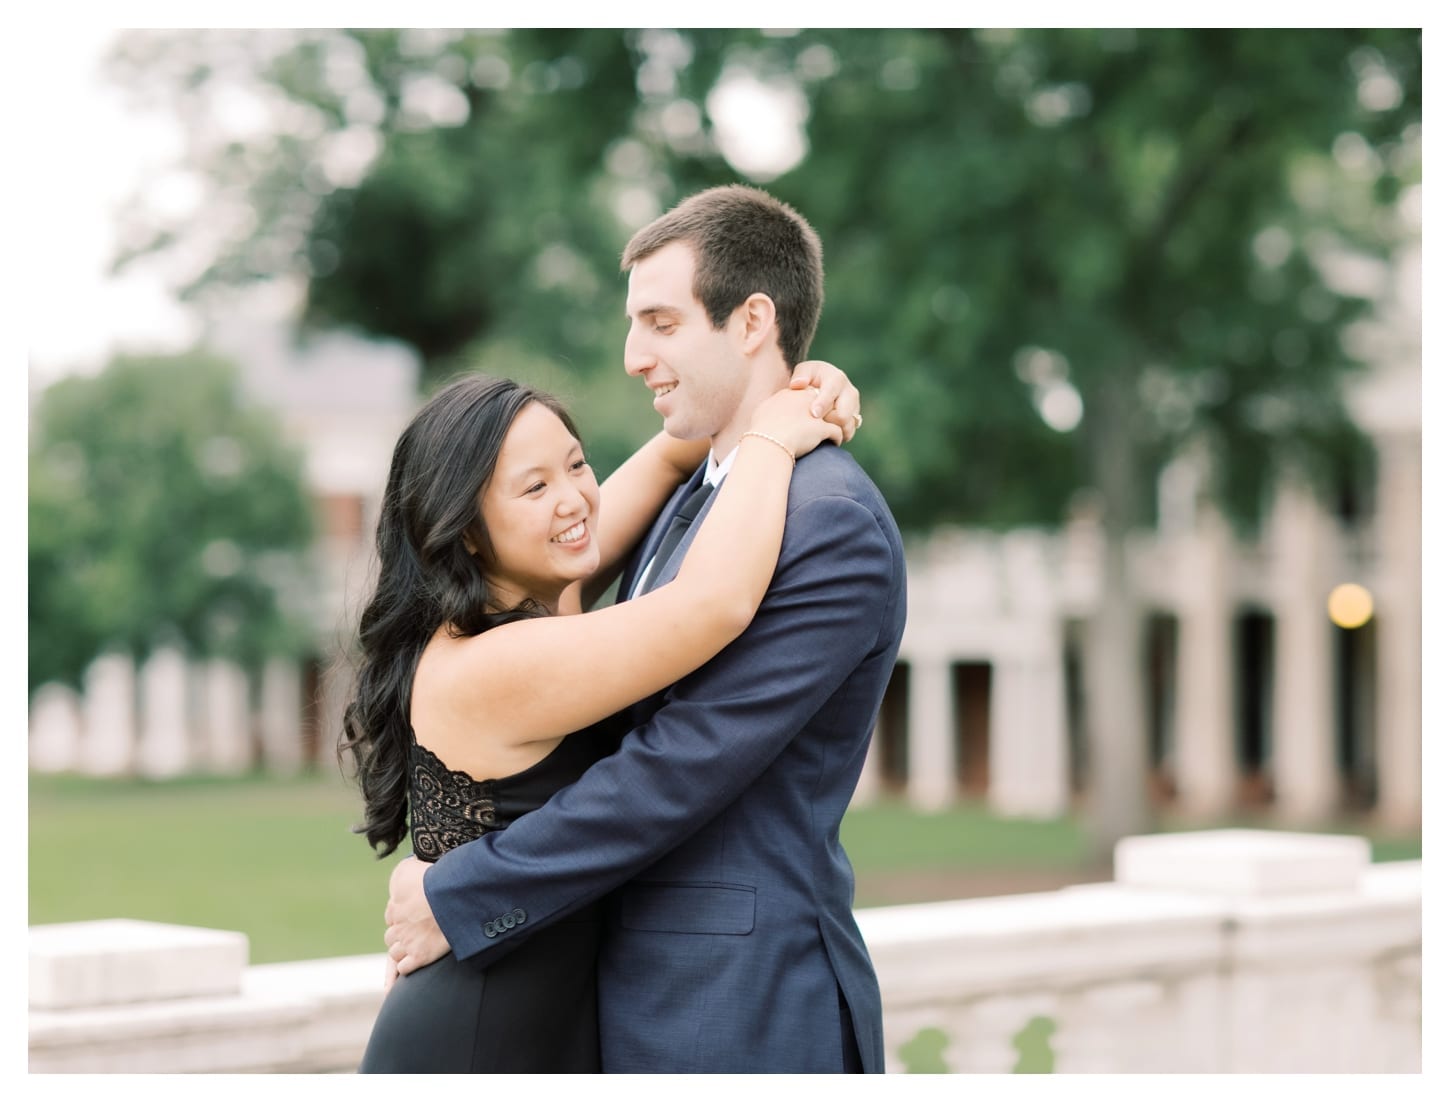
88	152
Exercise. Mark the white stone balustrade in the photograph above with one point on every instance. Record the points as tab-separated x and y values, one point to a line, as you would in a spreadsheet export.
1219	951
121	961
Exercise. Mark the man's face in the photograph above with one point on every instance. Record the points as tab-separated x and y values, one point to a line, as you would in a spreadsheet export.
698	373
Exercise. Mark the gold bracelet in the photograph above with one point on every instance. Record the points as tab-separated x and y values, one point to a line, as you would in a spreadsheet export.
778	443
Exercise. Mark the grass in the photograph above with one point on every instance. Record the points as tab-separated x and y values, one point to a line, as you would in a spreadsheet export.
275	859
890	836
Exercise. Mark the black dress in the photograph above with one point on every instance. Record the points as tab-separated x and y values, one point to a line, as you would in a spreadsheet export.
534	1010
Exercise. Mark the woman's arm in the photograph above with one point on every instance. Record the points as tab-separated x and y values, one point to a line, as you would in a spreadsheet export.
631	497
543	678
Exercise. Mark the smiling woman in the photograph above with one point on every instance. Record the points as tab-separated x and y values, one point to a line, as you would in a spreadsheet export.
539	510
484	688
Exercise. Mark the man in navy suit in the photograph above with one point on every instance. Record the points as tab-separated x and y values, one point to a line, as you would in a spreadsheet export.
731	944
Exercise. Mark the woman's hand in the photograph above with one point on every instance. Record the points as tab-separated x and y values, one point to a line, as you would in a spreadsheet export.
787	416
838	400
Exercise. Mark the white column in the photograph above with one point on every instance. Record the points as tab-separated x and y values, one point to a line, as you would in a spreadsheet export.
109	716
55	729
1054	786
1028	732
1204	767
931	782
164	749
281	717
334	692
227	742
1397	595
1302	757
1028	766
868	788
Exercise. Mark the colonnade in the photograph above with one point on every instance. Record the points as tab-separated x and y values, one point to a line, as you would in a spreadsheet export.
1016	602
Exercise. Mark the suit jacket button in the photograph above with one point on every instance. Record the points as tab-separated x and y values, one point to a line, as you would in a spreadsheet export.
490	930
509	922
519	915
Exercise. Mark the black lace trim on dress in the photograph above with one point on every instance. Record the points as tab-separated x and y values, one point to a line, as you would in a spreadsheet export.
449	807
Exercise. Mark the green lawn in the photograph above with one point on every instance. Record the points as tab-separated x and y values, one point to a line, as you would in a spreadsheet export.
275	858
891	836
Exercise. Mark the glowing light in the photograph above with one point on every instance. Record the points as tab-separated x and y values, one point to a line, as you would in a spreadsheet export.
1350	605
759	125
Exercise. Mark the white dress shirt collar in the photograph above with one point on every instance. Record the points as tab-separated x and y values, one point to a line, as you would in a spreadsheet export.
714	471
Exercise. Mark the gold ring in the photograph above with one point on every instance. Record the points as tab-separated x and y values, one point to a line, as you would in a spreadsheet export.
857	416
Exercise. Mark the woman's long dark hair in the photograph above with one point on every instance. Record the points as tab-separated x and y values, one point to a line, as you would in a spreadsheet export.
426	578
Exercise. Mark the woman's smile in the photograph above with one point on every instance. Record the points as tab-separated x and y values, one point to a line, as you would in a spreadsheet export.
572	536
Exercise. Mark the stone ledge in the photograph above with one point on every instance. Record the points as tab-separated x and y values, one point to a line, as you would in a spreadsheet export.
1243	863
226	1034
300	1016
122	960
1078	935
1401	880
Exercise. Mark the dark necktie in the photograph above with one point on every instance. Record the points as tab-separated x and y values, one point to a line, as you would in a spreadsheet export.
676	532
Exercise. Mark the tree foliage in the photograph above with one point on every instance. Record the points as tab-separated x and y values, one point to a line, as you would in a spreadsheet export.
446	188
1015	222
163	509
1148	209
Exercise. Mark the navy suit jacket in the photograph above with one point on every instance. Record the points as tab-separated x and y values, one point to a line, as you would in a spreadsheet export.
731	944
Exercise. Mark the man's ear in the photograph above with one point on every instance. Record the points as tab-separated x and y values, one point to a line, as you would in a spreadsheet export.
758	313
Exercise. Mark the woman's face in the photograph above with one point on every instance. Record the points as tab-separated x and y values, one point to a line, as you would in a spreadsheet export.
540	509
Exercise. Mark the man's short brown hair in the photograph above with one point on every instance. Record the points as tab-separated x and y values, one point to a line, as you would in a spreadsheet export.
745	241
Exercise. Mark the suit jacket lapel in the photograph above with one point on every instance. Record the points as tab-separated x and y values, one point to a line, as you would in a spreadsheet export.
657	531
666	571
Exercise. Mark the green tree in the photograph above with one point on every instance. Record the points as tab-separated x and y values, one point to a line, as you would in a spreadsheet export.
1056	258
163	509
1059	258
447	188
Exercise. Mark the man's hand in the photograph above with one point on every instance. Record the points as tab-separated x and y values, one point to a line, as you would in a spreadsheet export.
838	400
413	937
